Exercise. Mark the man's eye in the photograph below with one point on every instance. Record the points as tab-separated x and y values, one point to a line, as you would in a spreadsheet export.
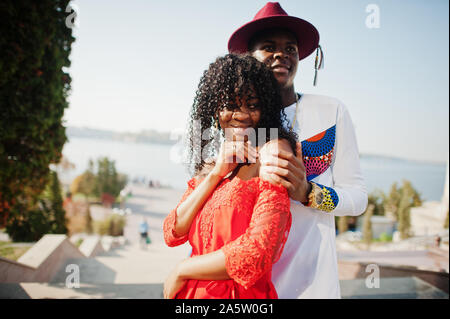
291	49
269	48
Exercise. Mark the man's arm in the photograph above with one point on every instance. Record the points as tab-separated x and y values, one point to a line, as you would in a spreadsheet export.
348	196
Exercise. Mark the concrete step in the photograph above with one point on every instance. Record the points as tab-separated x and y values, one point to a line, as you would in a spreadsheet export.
391	288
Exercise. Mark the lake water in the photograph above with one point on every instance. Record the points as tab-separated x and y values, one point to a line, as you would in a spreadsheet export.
154	161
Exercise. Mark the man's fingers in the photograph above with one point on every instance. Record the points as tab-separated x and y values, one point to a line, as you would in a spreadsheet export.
278	162
284	173
277	180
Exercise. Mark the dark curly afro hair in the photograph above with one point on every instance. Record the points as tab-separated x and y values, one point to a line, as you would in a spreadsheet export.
226	78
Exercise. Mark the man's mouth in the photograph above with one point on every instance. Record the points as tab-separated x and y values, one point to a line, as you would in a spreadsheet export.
281	68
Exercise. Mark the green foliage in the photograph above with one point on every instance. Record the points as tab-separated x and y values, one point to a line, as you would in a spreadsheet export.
398	203
35	46
401	199
79	242
105	180
83	184
367	226
446	220
384	237
108	180
47	216
113	225
89	227
376	198
402	202
342	224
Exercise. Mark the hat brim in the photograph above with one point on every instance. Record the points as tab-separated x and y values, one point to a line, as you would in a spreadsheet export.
306	34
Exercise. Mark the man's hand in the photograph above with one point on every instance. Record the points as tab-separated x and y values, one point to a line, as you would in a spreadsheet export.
279	166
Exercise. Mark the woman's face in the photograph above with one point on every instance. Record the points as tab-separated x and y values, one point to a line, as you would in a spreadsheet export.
278	49
245	116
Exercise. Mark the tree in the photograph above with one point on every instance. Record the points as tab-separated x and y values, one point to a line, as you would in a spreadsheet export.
54	195
376	198
35	46
342	224
391	202
367	226
446	220
48	216
106	182
85	183
409	198
107	179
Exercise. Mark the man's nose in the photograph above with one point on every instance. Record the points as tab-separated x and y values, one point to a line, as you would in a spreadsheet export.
279	54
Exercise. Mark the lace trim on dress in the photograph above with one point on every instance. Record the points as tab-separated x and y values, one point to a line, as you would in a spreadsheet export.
252	254
235	191
170	237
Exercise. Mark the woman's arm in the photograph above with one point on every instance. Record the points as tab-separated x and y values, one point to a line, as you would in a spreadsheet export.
178	222
187	210
204	267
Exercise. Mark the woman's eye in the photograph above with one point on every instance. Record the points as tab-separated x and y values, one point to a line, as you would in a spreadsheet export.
269	48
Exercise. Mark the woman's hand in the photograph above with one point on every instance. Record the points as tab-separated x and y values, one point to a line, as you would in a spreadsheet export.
173	284
231	154
281	167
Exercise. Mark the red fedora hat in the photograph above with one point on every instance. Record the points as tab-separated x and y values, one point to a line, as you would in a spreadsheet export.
270	16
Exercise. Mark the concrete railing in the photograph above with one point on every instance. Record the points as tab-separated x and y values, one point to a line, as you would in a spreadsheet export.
41	261
91	246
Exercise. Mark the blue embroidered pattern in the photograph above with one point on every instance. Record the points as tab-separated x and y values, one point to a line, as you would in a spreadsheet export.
318	152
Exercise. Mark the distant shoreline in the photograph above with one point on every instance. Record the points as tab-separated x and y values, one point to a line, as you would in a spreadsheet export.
155	137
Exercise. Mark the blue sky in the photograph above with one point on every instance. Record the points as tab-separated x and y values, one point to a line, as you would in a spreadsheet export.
136	65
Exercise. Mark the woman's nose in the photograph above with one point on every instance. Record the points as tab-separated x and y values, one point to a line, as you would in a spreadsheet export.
240	115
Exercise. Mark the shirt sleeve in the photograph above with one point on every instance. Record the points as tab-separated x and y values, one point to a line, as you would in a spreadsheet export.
169	222
348	196
252	254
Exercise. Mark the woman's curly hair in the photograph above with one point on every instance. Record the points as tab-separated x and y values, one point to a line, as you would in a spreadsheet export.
226	78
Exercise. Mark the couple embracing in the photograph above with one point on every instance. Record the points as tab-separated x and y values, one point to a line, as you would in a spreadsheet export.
260	212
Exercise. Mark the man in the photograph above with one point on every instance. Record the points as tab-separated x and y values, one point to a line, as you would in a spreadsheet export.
325	178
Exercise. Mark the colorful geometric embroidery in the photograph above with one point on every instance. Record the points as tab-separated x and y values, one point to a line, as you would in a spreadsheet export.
318	152
330	199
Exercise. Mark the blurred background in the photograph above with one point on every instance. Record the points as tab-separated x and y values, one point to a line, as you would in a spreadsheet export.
96	97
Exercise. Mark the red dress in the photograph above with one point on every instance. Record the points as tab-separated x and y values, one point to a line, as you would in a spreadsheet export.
250	221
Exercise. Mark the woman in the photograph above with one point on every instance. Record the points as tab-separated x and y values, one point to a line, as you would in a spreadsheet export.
235	222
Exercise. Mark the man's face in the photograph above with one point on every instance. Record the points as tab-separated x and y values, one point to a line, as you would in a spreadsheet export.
278	49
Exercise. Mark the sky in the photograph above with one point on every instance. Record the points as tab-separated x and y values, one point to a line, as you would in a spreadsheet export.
136	65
